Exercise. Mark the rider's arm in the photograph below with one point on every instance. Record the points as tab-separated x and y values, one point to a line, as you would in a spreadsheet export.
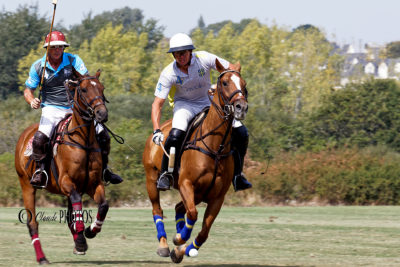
30	98
156	108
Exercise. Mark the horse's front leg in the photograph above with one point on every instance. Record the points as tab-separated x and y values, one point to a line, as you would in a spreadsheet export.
98	196
28	194
180	211
187	194
210	214
154	196
76	224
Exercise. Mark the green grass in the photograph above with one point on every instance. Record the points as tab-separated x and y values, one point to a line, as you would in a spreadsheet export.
252	236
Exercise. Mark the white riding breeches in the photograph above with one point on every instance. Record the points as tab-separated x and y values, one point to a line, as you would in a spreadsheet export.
52	115
183	113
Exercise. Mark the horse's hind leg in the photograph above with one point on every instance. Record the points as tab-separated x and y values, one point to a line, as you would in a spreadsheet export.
28	194
77	223
98	196
154	196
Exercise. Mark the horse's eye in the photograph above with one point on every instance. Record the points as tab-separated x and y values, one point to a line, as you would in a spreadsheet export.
224	83
84	90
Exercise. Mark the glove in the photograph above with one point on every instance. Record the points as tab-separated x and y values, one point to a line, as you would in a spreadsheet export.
35	103
158	137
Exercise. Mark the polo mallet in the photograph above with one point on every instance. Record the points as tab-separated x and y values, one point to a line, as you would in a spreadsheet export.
47	48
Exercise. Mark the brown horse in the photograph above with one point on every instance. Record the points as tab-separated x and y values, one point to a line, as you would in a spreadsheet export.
77	165
206	168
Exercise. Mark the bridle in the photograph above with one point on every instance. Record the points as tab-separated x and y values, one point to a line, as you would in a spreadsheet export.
87	113
226	115
227	102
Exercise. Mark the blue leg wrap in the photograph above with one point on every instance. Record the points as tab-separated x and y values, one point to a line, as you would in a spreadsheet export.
180	221
187	229
158	220
195	245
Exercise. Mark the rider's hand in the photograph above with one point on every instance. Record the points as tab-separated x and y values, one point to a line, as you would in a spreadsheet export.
158	137
35	103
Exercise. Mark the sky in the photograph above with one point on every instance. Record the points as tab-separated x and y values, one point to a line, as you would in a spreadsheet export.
344	21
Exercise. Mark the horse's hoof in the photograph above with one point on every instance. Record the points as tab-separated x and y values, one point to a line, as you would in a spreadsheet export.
80	244
176	256
76	252
178	240
43	261
89	234
163	252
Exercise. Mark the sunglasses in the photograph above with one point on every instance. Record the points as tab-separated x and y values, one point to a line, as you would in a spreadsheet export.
56	46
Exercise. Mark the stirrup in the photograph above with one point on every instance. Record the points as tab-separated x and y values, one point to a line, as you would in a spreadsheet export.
47	178
163	186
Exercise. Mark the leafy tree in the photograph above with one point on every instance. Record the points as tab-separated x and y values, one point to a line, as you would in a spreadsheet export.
216	27
361	114
307	55
130	19
25	63
393	49
19	33
121	56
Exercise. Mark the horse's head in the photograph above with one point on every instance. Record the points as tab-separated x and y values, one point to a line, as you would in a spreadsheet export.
89	98
232	91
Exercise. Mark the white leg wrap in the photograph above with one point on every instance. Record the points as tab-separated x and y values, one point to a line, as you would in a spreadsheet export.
96	225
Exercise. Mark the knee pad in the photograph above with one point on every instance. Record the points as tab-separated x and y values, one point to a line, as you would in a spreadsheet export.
175	137
39	146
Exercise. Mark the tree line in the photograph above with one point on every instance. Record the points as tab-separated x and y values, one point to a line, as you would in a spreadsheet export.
291	77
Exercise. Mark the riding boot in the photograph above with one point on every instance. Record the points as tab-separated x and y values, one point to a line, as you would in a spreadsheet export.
175	139
104	140
240	141
39	149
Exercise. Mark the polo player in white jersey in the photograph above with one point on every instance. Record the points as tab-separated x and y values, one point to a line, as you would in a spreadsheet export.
187	78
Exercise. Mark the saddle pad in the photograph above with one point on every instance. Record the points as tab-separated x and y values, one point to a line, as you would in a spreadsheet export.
28	149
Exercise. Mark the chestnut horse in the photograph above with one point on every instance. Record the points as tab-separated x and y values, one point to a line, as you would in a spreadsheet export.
78	164
206	169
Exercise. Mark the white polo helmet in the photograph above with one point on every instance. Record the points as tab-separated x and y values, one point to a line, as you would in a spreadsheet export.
180	42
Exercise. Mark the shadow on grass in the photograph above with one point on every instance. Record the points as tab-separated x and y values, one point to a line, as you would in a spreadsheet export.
239	265
163	262
111	262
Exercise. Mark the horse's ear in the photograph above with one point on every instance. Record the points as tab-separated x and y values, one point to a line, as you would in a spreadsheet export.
98	72
238	66
219	66
76	73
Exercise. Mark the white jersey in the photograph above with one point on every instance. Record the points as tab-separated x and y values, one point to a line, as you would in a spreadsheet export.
191	88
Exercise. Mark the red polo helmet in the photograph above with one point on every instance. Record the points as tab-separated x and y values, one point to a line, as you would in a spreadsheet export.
57	38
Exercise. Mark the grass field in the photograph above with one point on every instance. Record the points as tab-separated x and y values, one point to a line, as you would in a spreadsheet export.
241	236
